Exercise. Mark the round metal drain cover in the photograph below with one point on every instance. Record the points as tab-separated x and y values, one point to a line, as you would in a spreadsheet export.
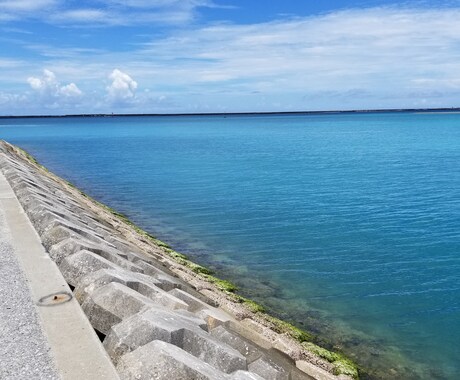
55	299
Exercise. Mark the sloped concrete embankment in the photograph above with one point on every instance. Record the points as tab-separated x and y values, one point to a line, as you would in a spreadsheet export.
151	322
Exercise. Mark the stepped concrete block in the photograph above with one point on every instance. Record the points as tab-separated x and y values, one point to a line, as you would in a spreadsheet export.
215	317
214	352
43	218
149	267
162	361
29	199
28	196
81	228
89	214
193	302
22	183
121	245
314	371
72	245
24	191
49	195
95	280
246	330
199	295
110	304
160	296
63	231
160	272
268	369
57	234
154	259
245	375
130	279
29	202
142	284
36	193
285	361
75	266
252	331
118	259
156	324
147	326
163	280
246	348
97	226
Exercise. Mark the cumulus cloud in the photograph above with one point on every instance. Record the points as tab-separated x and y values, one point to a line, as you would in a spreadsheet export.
48	86
70	90
123	87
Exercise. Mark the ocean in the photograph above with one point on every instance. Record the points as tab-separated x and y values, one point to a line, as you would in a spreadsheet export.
347	225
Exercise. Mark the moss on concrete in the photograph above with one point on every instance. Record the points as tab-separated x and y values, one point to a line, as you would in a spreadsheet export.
223	285
284	327
342	365
254	306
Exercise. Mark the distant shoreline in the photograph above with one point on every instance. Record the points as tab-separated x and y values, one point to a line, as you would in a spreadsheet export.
333	112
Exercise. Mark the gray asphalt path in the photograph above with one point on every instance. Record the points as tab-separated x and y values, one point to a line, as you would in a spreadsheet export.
24	351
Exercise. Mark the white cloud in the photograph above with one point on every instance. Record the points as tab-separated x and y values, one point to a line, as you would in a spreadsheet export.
379	49
70	90
123	87
49	87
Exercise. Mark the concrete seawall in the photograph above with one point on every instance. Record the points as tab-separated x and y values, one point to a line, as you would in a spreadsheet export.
147	312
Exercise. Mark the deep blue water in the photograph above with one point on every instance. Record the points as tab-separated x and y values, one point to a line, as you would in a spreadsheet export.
348	225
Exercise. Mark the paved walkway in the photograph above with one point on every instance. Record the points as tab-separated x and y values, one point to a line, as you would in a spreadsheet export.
24	350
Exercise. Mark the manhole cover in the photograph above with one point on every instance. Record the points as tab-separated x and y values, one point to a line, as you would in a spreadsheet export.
55	299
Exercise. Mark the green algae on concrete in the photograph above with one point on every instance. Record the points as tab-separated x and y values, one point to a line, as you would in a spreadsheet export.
342	365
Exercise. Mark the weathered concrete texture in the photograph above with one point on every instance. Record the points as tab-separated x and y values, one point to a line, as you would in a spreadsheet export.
314	371
143	284
245	375
268	369
160	360
112	303
156	325
79	264
142	328
243	346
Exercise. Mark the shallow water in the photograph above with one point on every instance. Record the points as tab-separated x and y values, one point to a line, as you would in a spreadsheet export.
348	225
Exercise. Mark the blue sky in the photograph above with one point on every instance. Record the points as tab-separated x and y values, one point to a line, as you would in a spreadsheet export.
173	56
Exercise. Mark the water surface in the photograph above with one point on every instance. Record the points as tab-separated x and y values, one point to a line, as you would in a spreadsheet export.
347	225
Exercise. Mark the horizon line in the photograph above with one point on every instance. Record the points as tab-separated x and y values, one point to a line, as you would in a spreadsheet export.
248	113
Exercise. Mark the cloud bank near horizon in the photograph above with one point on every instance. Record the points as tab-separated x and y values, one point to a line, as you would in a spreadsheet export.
357	58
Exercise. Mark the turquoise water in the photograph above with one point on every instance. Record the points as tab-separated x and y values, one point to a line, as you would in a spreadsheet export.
347	225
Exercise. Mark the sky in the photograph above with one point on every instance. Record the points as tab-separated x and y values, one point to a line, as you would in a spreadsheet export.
187	56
